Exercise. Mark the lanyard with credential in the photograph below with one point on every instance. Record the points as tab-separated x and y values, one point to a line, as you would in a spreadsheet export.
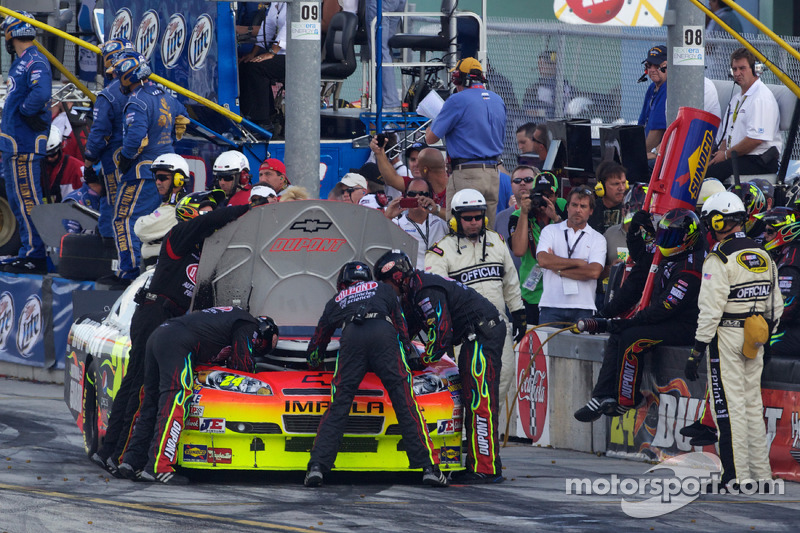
570	251
739	104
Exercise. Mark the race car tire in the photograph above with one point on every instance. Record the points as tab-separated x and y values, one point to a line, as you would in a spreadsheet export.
9	234
86	256
90	431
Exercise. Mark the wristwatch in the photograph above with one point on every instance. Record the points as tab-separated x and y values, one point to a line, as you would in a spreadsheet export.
558	272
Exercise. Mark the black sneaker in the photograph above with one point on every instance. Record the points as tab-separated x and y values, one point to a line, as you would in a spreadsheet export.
594	409
127	471
99	461
167	478
24	265
431	475
113	468
616	410
313	476
466	477
697	429
704	440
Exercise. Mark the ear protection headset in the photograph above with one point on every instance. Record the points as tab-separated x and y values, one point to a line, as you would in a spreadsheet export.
454	223
600	190
178	179
717	222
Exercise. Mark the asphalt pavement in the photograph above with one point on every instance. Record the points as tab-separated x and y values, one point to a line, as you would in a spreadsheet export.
48	485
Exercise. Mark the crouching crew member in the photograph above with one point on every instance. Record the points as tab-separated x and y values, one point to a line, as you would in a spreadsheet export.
172	351
739	306
374	338
453	313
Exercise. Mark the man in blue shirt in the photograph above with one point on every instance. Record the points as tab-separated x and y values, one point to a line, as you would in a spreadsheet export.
23	138
472	123
105	136
654	109
153	120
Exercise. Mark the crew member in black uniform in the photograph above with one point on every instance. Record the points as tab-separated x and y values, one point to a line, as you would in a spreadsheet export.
168	295
174	347
453	313
374	337
666	320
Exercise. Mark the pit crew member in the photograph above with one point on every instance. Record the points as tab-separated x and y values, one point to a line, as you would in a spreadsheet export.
232	175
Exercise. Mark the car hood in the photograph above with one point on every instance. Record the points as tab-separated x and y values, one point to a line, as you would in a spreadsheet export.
283	259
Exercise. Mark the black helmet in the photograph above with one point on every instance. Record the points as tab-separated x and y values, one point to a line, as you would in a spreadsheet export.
352	273
190	205
267	336
393	267
782	226
678	232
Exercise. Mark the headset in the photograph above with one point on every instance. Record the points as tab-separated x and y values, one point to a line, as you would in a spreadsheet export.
756	69
178	179
465	78
717	222
453	223
600	190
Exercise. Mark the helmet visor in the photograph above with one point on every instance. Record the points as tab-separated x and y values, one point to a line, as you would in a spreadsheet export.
670	240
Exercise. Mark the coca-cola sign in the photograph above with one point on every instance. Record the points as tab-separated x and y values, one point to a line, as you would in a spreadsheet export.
532	397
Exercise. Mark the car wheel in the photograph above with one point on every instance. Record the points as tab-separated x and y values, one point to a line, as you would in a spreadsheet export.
91	439
9	234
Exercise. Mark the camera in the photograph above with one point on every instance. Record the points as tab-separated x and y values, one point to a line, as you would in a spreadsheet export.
538	200
383	139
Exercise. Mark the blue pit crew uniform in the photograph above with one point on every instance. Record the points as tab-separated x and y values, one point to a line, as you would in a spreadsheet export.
29	85
148	132
104	139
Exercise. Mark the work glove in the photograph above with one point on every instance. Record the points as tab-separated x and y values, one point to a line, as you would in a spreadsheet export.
34	122
180	126
641	219
519	324
90	175
315	359
125	164
692	365
72	226
617	325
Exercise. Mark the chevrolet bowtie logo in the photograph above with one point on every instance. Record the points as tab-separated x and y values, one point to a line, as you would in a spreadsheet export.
312	225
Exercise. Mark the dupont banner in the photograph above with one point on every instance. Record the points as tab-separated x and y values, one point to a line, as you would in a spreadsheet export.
652	432
533	407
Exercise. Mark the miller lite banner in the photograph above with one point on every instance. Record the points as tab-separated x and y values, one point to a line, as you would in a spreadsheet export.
611	12
533	406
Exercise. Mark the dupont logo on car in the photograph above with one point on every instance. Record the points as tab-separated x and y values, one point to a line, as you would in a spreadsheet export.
361	287
29	326
147	34
212	425
122	26
172	442
200	41
174	40
6	317
220	455
191	273
311	225
307	245
195	453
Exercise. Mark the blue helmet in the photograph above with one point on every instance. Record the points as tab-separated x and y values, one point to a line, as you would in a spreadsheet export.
14	28
112	50
130	68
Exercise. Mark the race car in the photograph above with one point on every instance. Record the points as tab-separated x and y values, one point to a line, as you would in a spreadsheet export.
279	260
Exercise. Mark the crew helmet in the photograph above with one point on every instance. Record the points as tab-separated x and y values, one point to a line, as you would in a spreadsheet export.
172	163
131	68
678	232
782	227
112	50
14	28
352	273
634	200
393	267
54	141
266	336
721	208
190	205
230	164
709	187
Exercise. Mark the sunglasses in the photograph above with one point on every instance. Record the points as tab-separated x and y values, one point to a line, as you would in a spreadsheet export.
527	179
351	190
412	194
163	177
472	218
648	65
226	177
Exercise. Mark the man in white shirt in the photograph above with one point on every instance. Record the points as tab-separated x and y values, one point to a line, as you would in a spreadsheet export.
265	64
419	222
573	255
752	124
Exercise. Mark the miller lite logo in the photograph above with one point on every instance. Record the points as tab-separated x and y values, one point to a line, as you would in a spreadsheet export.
174	40
6	318
29	326
147	34
200	41
532	399
191	273
122	26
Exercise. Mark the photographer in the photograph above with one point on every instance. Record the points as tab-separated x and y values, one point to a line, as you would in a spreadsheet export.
417	219
538	207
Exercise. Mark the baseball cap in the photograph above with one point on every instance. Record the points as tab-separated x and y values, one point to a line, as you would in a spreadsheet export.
467	65
766	187
416	147
273	164
369	171
656	55
351	179
263	191
546	182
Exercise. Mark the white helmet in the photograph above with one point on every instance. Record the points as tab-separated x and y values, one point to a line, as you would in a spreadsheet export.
710	187
467	200
231	161
725	203
54	140
172	163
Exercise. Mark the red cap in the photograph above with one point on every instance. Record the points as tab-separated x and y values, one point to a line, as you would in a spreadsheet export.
274	164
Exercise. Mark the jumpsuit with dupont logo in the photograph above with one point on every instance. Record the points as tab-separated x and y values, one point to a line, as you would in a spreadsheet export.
172	350
739	280
451	314
374	337
168	295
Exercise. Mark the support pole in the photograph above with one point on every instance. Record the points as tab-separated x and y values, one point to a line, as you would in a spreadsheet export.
685	58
